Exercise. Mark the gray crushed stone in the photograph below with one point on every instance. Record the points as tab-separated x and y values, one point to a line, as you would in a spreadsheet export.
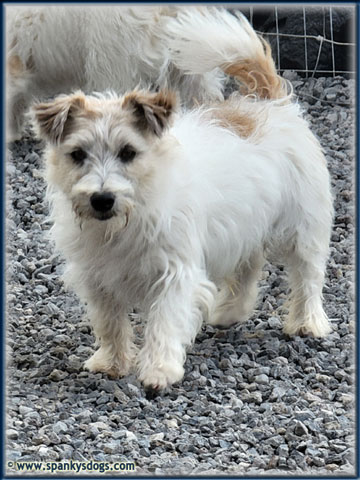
252	401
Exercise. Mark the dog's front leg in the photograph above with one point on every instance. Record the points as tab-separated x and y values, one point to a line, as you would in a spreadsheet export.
174	319
114	334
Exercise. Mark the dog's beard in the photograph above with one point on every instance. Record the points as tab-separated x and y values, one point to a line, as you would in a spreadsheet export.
114	225
113	221
103	216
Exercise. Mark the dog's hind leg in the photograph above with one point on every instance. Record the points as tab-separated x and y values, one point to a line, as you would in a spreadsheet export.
114	334
306	264
236	299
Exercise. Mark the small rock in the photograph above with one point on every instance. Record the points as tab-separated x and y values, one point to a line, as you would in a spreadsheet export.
300	429
346	399
57	375
131	436
277	393
275	323
43	451
157	437
252	397
25	410
262	379
134	391
273	462
60	427
171	423
100	425
12	434
283	450
112	447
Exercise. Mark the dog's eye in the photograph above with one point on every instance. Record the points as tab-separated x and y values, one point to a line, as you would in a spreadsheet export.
127	154
78	156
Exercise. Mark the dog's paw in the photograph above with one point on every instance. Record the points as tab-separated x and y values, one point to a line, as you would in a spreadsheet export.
225	319
101	362
157	379
315	326
223	323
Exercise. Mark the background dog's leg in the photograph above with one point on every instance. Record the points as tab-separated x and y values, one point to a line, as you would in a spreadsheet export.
306	276
114	333
16	109
236	299
196	88
174	319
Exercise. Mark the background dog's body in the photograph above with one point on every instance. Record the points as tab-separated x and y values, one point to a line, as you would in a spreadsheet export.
56	49
196	206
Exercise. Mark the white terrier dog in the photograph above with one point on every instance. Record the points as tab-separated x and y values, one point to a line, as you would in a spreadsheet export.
175	212
56	49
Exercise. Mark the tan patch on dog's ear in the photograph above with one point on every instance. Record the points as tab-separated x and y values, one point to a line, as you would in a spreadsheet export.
152	111
53	120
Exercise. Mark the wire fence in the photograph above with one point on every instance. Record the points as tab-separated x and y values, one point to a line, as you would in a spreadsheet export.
321	41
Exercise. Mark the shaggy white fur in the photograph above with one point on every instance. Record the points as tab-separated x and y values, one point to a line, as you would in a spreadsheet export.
175	213
55	49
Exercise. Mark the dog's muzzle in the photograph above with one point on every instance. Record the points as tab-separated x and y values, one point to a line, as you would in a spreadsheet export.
103	203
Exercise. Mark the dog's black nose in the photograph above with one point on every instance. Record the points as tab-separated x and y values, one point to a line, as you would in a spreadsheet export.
102	202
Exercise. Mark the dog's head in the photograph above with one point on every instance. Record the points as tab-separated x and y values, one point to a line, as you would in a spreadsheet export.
104	150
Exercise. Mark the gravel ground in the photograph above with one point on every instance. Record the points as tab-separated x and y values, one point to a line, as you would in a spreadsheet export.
252	401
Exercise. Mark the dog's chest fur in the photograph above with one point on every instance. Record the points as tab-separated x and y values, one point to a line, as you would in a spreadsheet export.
125	264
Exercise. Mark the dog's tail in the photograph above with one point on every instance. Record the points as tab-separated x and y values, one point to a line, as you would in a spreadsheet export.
205	38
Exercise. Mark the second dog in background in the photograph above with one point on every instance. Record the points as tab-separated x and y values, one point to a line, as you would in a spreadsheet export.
56	49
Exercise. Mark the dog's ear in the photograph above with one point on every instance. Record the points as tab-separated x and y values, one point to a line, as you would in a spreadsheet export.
152	111
52	121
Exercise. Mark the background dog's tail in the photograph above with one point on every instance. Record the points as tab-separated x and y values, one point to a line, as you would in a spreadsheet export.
204	38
